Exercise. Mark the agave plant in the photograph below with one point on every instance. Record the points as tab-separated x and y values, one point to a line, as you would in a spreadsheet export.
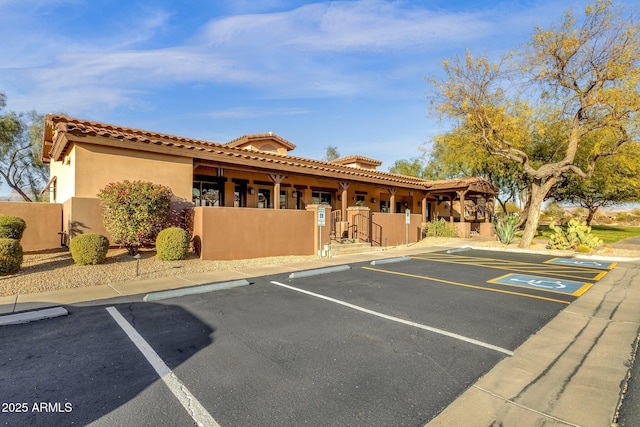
506	227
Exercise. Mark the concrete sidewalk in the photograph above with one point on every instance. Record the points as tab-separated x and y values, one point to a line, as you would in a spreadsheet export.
567	374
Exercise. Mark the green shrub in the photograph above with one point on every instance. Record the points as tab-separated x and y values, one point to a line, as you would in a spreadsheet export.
90	248
574	234
440	228
11	227
10	256
506	227
172	244
135	212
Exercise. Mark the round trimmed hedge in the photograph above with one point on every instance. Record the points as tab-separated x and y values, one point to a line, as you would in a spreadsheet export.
172	244
89	249
11	227
10	256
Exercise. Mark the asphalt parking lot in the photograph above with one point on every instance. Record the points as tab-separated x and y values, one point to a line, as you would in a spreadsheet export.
389	344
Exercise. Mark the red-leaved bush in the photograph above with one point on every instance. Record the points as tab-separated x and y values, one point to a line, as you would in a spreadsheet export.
135	212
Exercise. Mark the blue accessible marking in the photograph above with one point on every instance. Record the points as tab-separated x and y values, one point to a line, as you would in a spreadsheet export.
543	283
605	265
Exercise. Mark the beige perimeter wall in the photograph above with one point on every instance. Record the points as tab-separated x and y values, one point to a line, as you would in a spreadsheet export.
394	228
236	233
44	223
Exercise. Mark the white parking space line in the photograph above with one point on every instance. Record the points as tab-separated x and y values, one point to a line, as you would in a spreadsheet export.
397	319
199	414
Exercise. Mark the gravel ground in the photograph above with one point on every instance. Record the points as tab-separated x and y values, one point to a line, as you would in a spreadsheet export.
54	270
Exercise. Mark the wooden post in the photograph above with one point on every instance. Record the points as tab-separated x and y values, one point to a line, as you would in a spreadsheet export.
392	200
277	180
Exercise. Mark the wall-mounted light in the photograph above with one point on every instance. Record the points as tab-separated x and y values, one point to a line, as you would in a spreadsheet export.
339	198
252	191
373	200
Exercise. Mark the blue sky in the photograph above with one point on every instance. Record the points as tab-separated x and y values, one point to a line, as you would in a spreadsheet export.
349	74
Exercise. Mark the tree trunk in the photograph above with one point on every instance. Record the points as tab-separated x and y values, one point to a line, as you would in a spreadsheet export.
539	190
524	215
592	212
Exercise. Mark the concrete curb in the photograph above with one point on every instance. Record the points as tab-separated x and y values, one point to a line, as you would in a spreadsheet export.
318	271
390	260
558	253
203	289
462	249
31	316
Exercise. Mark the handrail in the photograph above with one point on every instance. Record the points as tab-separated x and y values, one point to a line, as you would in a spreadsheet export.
336	217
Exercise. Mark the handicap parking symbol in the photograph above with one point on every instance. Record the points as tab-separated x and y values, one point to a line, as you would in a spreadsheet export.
602	265
569	287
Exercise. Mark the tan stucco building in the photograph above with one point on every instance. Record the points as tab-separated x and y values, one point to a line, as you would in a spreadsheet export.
254	171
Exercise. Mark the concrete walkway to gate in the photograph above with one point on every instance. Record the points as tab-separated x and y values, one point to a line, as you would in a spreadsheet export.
567	374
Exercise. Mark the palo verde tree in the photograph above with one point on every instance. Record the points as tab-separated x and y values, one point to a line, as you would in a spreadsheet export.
457	157
21	166
571	81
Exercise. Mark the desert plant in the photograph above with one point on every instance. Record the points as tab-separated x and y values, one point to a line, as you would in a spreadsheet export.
506	226
440	228
574	234
135	212
583	248
172	244
10	256
11	227
90	248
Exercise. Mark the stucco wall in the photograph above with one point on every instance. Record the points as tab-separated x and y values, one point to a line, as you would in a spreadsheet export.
83	215
394	228
44	222
237	233
91	167
65	178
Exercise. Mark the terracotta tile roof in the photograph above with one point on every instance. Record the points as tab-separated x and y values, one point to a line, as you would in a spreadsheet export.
62	131
260	136
356	158
473	184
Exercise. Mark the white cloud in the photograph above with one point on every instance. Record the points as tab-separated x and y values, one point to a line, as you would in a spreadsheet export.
346	26
328	49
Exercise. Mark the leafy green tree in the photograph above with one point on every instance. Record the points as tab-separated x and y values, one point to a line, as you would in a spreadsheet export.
21	166
135	212
331	153
616	179
454	156
567	84
412	167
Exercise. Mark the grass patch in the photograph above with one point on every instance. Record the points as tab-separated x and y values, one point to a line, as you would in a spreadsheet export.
614	233
608	233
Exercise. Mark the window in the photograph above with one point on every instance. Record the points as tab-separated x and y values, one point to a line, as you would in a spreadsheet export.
240	195
264	198
283	199
207	193
320	198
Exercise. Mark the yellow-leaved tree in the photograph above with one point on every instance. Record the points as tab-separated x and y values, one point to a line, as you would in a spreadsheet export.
569	83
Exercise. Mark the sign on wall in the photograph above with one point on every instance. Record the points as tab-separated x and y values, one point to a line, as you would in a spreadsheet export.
321	217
